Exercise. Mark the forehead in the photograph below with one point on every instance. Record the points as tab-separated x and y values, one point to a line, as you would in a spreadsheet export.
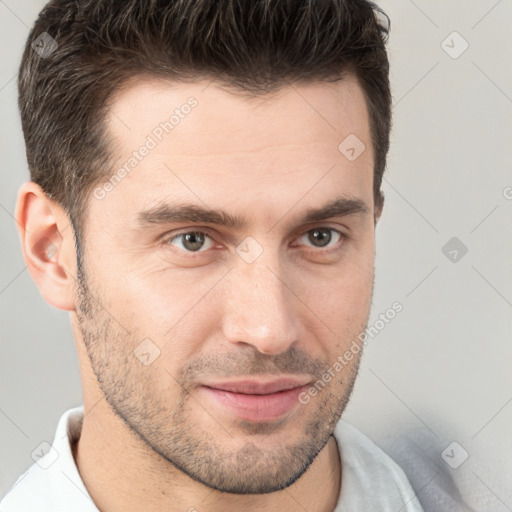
295	114
213	147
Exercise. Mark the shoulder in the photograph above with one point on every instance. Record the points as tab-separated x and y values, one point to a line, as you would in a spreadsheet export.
53	482
369	472
30	492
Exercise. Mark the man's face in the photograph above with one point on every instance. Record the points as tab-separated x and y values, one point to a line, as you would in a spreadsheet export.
193	327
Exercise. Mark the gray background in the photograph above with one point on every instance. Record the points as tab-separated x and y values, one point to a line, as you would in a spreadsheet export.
440	371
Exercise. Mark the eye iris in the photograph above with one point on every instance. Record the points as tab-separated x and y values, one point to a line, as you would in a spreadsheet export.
195	239
321	235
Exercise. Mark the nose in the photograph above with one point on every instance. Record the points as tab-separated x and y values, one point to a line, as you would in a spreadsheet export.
259	309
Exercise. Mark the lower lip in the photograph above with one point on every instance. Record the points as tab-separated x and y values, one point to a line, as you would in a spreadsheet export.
256	407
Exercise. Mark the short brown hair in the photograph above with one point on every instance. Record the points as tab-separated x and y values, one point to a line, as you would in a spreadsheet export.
252	46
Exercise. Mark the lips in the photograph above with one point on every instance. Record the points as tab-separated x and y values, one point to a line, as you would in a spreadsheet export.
251	387
253	400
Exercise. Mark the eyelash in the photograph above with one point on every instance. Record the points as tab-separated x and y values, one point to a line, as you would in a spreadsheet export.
167	240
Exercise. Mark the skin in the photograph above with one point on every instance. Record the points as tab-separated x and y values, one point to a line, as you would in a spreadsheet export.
151	439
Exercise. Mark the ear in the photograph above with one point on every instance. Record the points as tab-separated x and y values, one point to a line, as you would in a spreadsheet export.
379	206
48	245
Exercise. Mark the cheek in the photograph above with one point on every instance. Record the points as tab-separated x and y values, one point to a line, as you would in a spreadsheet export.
342	290
172	308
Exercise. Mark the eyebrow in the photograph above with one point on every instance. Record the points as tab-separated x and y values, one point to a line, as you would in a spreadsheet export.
167	214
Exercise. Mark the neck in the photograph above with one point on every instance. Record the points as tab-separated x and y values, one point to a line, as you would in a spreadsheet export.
121	472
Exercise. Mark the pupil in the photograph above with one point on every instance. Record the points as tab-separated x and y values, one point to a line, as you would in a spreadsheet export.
320	235
195	239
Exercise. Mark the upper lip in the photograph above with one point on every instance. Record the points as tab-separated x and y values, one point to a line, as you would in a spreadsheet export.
258	387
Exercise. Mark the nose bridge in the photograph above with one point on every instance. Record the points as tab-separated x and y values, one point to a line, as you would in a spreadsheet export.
258	310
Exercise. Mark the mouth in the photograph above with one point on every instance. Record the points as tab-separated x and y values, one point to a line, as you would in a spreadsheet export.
256	400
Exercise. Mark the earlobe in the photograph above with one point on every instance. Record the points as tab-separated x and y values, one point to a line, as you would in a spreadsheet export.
47	242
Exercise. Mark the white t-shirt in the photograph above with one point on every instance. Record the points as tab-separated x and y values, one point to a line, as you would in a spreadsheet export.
370	480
